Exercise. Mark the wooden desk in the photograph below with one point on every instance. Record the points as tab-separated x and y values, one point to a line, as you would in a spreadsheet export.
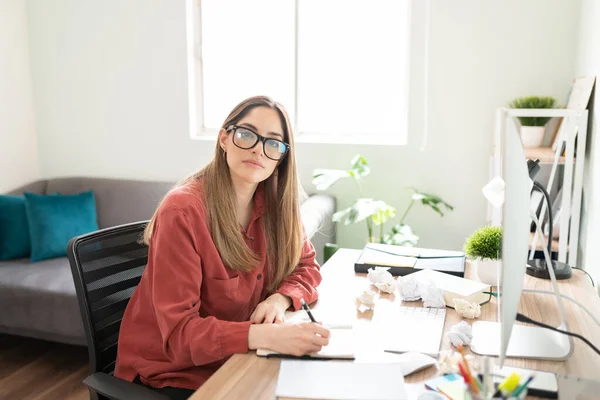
246	376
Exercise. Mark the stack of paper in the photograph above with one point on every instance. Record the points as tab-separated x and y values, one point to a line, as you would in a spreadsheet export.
455	287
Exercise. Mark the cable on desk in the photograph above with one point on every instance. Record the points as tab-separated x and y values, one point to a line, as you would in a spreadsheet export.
523	318
591	279
589	313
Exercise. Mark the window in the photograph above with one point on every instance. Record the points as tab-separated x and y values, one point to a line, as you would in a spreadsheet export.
340	67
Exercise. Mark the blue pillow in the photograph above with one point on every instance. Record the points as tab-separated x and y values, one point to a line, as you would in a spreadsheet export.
54	220
14	231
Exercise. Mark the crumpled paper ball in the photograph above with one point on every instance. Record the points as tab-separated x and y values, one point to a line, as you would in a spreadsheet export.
467	309
448	362
460	334
432	296
409	288
366	301
387	287
382	279
379	275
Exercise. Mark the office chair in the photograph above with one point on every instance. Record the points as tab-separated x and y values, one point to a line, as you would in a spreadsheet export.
107	266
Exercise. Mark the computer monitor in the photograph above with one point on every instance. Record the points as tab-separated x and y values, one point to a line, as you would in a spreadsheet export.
505	339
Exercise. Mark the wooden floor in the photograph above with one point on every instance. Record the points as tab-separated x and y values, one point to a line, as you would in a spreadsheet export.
36	369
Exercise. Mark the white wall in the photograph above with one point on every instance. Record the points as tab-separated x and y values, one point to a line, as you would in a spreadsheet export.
110	80
18	147
588	63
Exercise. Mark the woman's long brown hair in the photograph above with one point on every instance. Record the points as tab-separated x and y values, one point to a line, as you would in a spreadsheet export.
282	224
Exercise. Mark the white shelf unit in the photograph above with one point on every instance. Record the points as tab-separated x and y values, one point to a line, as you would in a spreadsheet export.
574	126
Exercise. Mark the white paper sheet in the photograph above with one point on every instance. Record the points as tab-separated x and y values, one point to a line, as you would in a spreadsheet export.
337	380
341	320
451	283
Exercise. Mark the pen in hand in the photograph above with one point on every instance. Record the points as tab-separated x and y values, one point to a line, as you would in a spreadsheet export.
305	308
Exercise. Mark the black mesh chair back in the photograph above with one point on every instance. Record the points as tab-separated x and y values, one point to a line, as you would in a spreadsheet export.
107	266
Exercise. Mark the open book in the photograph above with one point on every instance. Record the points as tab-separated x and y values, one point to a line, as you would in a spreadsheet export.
341	341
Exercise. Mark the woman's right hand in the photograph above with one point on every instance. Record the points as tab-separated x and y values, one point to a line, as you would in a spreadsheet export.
288	338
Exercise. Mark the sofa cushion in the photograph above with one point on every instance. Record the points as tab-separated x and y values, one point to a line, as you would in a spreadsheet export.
54	220
39	300
14	232
118	201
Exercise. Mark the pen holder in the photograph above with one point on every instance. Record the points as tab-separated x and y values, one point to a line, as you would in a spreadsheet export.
481	396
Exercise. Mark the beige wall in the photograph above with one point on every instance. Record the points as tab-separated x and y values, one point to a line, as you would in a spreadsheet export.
111	99
18	142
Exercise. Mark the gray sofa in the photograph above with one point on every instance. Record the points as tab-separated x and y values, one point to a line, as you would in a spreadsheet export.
38	299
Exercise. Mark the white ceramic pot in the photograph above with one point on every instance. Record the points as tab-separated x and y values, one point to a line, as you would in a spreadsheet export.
532	136
488	271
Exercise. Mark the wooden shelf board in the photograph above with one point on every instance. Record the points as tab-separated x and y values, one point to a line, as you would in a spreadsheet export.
544	154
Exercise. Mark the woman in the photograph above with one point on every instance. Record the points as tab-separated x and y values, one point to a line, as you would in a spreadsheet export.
227	257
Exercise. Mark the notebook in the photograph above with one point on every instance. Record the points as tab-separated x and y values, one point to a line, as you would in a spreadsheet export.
341	341
455	287
454	390
341	346
406	260
543	385
416	252
337	380
343	318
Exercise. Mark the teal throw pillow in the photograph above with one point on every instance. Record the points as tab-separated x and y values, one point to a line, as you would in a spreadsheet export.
54	220
14	231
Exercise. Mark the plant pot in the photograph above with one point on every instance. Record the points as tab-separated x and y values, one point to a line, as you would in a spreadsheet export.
532	136
329	250
488	271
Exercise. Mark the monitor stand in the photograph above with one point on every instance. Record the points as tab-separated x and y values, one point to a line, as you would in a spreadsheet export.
526	341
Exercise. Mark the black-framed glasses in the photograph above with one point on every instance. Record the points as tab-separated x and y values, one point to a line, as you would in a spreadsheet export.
246	139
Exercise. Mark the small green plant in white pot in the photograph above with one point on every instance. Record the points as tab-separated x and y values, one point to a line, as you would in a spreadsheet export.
484	247
533	128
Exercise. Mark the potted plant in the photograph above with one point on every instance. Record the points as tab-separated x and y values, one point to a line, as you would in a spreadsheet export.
375	213
533	128
484	247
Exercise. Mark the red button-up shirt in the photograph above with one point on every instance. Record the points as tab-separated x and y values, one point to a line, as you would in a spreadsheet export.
190	312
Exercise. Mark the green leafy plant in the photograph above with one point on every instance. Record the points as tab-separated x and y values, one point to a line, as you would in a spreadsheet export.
376	212
484	243
534	102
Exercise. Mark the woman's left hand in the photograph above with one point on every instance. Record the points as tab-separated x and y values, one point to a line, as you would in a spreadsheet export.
272	310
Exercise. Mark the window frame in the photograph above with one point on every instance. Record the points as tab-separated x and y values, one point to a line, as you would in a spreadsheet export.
196	90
